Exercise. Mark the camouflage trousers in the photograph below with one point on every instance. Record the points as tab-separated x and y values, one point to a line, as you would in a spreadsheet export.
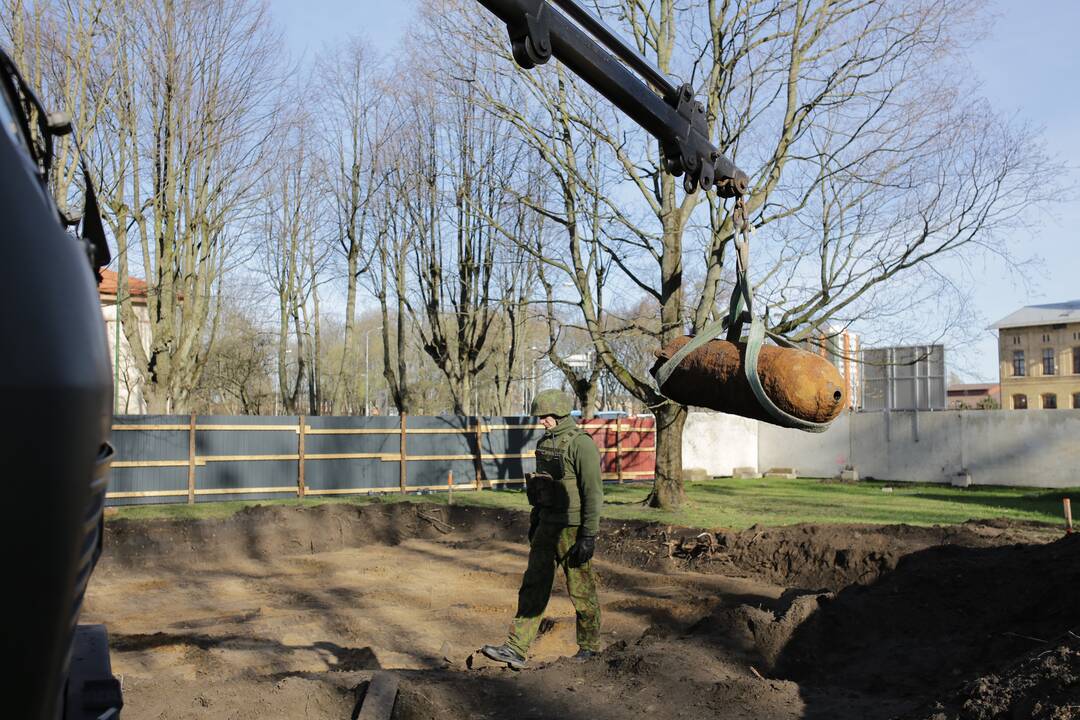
548	550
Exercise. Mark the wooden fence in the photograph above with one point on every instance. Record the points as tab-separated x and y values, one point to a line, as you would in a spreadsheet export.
163	459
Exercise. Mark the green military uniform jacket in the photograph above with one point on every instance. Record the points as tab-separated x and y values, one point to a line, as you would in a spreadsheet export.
571	458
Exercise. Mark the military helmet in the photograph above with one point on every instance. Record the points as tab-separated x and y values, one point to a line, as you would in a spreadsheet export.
551	402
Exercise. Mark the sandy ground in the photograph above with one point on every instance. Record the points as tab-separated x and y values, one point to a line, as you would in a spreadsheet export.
287	612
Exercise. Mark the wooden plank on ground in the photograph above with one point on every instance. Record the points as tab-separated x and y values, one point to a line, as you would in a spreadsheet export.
380	697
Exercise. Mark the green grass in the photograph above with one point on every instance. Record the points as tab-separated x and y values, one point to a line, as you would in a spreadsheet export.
738	504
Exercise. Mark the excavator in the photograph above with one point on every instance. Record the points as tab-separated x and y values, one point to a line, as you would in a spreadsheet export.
55	373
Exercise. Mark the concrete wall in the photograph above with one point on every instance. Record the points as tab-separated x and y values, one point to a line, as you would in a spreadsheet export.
1039	448
719	443
811	454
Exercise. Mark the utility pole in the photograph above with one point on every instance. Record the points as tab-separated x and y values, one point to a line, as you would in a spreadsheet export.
367	365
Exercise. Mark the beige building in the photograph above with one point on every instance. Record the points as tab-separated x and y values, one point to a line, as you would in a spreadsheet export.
840	346
1039	357
127	381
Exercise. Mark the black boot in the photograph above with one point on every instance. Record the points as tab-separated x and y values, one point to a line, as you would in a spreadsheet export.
504	654
583	655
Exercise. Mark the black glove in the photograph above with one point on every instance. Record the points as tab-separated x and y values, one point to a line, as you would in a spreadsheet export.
583	550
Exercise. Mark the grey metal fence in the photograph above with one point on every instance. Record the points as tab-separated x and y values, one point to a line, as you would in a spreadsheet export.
182	458
189	458
174	458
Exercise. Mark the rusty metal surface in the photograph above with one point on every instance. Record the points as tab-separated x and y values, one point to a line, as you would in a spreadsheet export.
800	383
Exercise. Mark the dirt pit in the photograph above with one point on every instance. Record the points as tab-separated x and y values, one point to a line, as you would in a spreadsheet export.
288	612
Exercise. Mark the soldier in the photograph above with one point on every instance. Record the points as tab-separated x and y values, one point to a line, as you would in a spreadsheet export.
566	494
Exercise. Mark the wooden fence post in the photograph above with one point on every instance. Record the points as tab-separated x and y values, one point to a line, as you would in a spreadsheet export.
300	430
478	460
403	472
618	448
191	461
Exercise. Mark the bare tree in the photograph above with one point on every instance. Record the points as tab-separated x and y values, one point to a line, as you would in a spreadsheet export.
180	149
517	271
465	162
55	44
867	167
292	257
353	132
238	378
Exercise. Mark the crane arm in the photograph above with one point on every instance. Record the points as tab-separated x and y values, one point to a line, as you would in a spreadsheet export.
540	29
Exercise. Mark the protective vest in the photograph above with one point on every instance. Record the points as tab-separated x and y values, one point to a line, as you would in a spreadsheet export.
561	454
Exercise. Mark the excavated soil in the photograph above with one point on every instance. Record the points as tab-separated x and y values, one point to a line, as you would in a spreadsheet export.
288	612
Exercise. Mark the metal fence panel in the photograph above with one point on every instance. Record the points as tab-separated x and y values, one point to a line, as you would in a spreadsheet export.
327	439
151	464
246	458
255	458
509	438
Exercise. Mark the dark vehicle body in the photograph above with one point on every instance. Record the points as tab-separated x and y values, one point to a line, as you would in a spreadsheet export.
57	391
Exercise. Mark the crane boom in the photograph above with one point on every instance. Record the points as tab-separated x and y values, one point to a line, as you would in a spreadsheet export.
564	29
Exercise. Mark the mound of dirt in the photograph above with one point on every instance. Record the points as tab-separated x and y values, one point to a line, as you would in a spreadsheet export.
944	613
259	532
826	557
968	622
1042	686
951	630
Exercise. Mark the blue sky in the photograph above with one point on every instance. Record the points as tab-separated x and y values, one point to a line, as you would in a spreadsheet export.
307	24
1028	64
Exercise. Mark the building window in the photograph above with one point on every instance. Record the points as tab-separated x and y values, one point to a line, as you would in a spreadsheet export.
1018	363
1048	361
1076	361
1049	401
1019	402
1046	337
1016	340
1076	400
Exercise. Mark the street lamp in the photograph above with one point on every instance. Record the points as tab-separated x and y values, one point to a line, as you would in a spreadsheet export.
525	402
367	354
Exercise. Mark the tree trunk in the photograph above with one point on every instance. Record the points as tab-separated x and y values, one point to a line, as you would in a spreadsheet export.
342	379
668	492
